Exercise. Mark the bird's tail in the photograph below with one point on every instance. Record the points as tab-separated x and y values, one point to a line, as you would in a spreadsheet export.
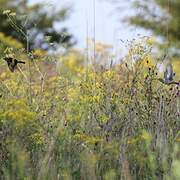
22	62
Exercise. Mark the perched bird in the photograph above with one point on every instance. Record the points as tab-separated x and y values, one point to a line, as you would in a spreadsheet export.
169	75
12	63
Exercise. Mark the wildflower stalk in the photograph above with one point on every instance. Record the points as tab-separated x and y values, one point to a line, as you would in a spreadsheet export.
29	67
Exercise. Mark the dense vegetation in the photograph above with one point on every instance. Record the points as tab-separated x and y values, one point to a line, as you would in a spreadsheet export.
76	117
84	122
37	21
160	16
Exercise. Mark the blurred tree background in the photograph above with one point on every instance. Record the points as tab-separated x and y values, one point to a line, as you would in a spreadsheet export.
39	22
162	17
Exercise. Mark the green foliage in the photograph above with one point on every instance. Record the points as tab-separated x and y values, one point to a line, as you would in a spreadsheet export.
162	17
18	16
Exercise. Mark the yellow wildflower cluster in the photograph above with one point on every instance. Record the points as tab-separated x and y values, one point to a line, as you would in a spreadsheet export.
39	53
86	138
19	113
72	63
148	61
37	138
72	93
109	74
9	41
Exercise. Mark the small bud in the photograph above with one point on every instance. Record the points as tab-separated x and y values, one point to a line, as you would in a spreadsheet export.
65	123
96	143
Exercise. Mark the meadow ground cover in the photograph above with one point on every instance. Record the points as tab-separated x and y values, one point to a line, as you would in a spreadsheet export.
64	118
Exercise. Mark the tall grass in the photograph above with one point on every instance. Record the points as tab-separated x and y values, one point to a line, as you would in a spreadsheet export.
115	123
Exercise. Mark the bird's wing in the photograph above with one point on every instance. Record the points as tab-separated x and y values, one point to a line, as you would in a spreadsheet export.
8	60
168	74
11	67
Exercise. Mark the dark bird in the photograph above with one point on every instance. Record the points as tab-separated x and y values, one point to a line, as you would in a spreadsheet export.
169	75
12	63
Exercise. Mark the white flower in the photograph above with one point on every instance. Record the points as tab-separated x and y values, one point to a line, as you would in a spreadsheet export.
6	11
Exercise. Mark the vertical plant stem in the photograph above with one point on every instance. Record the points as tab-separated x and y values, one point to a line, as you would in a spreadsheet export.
29	68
